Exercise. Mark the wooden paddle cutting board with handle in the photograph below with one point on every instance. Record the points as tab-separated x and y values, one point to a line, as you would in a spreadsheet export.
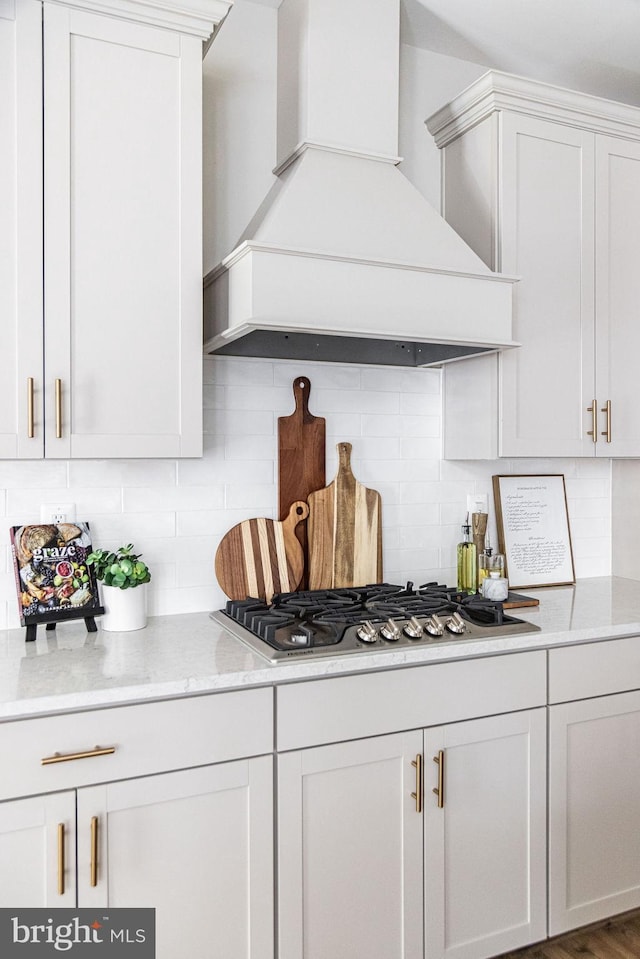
261	557
344	531
301	459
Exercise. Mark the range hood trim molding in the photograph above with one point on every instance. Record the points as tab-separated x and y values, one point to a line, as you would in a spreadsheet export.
338	148
251	246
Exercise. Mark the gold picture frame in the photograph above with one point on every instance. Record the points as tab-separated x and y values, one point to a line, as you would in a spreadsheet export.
533	529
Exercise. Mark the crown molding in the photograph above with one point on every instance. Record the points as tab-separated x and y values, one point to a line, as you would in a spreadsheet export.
496	91
198	18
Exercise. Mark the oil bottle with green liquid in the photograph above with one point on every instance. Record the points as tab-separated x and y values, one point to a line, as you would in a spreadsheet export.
467	561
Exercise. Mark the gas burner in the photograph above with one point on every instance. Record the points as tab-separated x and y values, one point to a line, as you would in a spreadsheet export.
378	616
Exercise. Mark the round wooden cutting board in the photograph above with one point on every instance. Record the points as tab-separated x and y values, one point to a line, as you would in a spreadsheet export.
261	557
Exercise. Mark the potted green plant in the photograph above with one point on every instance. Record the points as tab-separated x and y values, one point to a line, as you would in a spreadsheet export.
122	574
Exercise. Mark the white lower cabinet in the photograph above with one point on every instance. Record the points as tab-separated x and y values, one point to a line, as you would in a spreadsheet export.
485	832
350	851
373	863
594	809
37	851
196	845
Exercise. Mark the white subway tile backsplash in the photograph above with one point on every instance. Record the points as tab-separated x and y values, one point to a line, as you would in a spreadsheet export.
176	512
105	473
262	496
360	401
341	426
330	376
420	448
133	528
35	474
149	499
244	422
247	450
234	371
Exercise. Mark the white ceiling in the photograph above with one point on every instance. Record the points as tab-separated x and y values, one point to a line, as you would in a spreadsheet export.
588	45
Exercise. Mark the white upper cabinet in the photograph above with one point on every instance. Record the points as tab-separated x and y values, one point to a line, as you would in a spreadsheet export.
545	184
20	227
109	343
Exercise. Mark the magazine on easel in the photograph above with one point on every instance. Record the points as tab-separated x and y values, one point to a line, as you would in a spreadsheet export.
53	580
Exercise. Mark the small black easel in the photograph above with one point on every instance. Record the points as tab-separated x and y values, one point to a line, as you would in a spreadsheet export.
51	620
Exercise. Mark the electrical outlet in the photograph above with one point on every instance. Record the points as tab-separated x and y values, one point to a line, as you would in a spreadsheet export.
478	503
57	512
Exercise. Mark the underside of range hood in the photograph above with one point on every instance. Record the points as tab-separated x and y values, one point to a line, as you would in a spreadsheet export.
345	349
345	261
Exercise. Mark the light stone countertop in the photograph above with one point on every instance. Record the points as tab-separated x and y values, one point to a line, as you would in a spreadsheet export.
70	669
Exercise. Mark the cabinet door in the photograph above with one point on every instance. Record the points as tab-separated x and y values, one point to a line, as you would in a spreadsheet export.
20	227
122	201
350	851
546	237
617	293
195	845
38	851
485	849
594	813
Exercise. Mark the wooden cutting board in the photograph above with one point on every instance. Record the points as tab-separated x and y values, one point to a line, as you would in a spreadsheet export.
301	459
345	531
515	600
260	557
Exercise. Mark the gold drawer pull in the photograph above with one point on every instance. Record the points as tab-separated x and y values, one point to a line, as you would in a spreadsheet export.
94	851
68	757
439	791
593	409
61	859
417	795
607	409
58	386
30	414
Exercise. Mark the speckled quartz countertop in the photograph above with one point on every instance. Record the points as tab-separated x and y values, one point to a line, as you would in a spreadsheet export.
69	669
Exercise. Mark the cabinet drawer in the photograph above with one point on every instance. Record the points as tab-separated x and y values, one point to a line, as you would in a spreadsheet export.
148	738
352	707
594	669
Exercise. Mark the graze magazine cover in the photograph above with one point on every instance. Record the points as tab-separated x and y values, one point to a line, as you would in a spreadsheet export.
52	576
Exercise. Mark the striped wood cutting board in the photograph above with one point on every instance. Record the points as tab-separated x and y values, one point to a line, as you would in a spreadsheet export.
260	557
344	531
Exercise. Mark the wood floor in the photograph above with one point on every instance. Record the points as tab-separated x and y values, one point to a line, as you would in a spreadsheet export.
617	938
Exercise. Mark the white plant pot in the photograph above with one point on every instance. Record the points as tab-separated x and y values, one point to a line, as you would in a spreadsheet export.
124	609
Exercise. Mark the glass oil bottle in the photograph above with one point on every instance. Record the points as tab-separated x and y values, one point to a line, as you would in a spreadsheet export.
467	561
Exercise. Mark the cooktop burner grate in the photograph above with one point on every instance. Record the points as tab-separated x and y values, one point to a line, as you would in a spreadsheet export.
378	616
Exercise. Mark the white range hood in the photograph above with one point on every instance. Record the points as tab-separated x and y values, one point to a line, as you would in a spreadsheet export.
345	260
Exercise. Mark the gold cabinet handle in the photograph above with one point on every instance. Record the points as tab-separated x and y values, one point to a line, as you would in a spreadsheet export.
30	414
417	795
61	859
593	409
607	410
439	789
94	851
58	409
69	757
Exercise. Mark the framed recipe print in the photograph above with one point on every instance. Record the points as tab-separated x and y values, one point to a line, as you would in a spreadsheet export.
533	530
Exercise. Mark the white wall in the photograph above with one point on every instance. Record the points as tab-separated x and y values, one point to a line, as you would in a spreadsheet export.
176	512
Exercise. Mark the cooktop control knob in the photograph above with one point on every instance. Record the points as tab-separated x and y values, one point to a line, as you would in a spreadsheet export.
456	624
366	632
390	631
433	626
413	629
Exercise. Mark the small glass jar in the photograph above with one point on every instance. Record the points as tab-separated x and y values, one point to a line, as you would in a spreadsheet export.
490	563
495	587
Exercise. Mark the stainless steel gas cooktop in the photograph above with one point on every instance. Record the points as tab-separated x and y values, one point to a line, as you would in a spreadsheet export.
377	617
